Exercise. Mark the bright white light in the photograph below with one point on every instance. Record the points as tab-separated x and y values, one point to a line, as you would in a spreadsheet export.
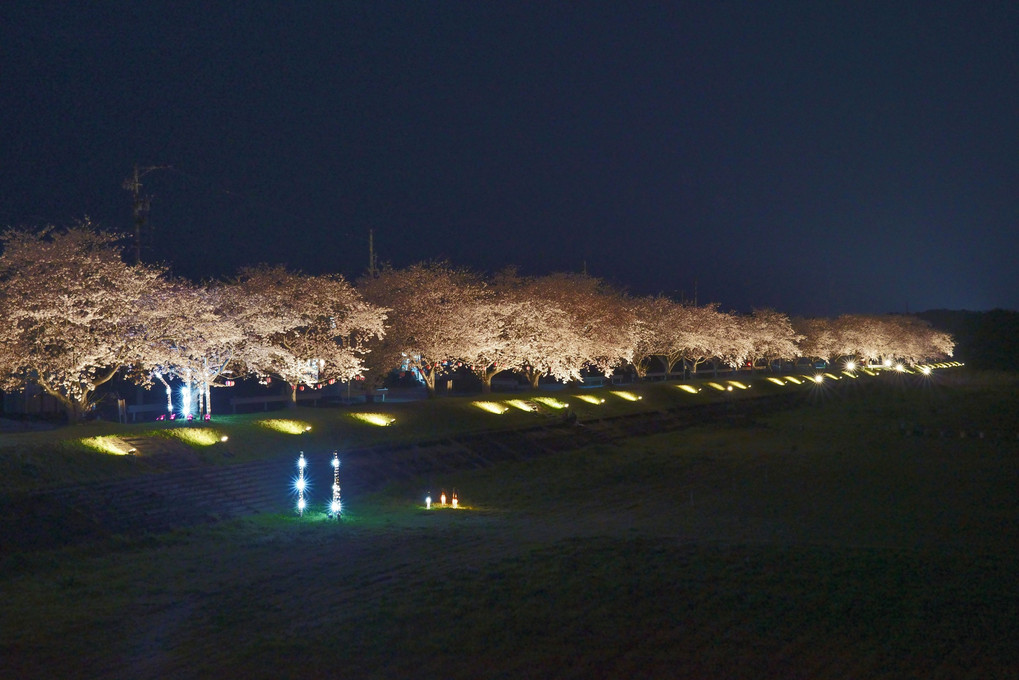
926	370
888	363
900	368
185	400
300	484
224	438
334	505
819	378
428	502
850	365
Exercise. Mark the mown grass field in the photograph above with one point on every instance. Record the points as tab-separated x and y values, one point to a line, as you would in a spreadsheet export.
869	533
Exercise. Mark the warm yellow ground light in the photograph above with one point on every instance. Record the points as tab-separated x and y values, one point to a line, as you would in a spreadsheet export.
196	436
110	445
720	388
777	381
521	404
590	399
379	419
629	396
492	407
737	383
285	425
689	388
551	402
795	381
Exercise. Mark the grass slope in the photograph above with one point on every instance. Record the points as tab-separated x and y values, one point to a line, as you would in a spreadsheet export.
859	535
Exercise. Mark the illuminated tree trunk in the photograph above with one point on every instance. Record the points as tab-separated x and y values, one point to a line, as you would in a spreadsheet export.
640	368
533	376
485	375
429	375
169	393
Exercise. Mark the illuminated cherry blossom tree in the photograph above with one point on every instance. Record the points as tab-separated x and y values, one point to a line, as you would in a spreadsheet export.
298	328
435	316
673	332
601	317
819	338
771	336
733	341
196	340
73	311
873	338
699	333
563	323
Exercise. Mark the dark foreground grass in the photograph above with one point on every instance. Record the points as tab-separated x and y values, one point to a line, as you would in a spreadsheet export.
844	539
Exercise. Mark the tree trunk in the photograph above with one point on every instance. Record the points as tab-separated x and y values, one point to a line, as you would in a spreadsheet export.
73	411
292	403
640	368
533	377
429	374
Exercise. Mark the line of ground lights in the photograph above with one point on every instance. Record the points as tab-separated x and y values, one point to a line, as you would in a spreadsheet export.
499	408
454	501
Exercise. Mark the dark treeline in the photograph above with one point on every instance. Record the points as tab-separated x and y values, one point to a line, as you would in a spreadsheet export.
983	340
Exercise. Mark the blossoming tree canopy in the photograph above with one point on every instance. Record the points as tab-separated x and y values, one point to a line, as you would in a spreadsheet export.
74	312
197	340
434	311
301	328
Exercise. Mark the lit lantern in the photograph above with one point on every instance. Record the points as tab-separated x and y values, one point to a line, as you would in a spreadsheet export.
335	506
428	502
442	498
301	484
454	500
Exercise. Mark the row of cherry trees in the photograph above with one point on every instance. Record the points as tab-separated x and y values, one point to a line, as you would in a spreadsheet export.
74	315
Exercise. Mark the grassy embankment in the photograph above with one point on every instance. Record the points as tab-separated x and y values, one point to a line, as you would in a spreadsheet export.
844	538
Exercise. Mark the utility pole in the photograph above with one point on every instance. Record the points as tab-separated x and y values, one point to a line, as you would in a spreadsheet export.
372	262
140	205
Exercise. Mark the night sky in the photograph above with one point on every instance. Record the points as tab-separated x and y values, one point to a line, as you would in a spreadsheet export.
815	157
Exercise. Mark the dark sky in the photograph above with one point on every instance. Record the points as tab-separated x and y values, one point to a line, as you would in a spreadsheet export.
815	157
